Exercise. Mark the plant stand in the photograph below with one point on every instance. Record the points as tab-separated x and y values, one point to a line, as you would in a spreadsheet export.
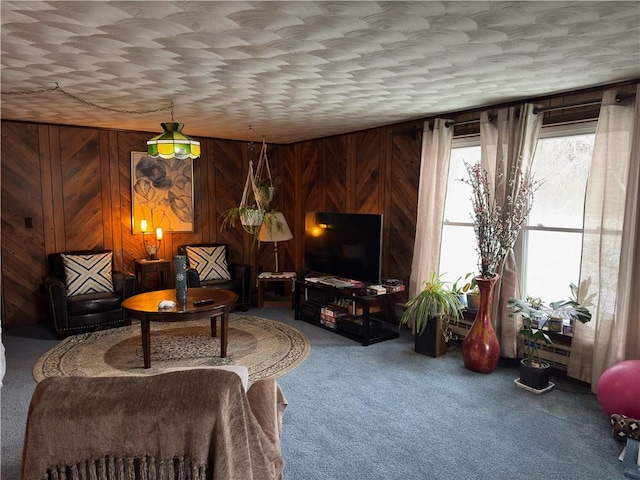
533	390
534	378
432	341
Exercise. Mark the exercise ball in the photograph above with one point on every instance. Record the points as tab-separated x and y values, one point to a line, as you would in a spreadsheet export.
619	389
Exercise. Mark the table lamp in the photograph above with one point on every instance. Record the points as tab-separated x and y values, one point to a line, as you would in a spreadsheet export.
274	229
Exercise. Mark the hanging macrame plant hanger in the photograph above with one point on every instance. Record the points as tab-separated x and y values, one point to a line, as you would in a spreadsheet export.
252	210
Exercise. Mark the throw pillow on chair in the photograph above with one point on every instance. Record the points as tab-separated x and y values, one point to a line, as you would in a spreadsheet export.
208	266
88	273
210	262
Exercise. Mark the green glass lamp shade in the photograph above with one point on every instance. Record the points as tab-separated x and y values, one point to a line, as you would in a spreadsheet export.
172	143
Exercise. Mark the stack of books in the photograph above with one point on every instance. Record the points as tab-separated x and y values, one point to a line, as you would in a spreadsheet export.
328	317
393	285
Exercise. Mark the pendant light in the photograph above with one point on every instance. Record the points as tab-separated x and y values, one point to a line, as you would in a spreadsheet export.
172	143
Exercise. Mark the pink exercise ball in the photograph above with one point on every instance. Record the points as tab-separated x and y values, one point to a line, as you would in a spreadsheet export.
619	389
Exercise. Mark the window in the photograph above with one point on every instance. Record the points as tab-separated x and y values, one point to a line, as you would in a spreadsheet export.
549	249
457	249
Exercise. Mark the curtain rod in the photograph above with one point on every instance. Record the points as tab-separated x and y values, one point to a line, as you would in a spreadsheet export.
465	122
620	97
492	116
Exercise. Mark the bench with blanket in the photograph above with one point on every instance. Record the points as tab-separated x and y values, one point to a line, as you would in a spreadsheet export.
196	424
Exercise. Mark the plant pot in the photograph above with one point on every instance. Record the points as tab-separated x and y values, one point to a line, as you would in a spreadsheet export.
432	341
538	322
463	300
264	194
536	377
251	217
555	325
473	301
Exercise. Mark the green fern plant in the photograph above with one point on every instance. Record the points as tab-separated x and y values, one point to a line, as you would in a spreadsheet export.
435	300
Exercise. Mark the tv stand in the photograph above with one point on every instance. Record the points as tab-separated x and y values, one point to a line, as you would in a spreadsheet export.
350	312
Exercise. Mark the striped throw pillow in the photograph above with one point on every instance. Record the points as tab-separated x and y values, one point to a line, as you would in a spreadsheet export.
210	262
88	273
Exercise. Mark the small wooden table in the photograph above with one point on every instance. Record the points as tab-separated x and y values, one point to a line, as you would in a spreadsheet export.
144	307
289	278
145	267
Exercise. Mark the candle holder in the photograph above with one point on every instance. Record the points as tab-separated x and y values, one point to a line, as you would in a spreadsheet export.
151	248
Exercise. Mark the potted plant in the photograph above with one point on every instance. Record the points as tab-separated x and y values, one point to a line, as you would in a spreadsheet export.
250	217
264	192
431	311
464	290
470	290
534	371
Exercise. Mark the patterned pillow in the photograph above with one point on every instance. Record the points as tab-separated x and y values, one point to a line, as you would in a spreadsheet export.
210	262
88	273
625	427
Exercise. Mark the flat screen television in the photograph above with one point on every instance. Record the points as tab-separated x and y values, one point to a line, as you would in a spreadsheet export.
346	245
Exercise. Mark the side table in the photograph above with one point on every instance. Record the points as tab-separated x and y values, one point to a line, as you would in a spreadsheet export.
145	267
289	278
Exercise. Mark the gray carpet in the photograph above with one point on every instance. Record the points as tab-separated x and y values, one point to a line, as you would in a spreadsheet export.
385	412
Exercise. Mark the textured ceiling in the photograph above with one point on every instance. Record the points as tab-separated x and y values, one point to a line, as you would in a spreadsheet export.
301	70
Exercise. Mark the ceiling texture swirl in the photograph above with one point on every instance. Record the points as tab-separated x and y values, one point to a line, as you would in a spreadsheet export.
296	71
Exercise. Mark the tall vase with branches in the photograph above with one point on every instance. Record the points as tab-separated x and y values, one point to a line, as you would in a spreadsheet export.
496	228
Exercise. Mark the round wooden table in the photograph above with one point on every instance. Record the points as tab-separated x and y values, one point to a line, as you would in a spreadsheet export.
144	307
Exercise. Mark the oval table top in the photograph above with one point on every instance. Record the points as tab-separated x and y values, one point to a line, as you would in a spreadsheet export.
147	303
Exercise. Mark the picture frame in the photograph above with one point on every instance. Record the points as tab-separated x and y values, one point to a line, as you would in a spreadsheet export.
161	193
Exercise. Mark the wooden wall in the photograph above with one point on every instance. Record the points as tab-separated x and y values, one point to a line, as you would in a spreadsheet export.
72	186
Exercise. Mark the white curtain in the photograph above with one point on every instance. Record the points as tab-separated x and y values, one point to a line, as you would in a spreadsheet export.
504	141
432	189
611	244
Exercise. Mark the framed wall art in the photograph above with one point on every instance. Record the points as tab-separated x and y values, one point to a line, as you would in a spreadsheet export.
161	193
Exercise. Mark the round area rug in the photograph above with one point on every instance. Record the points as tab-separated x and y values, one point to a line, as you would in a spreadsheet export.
266	347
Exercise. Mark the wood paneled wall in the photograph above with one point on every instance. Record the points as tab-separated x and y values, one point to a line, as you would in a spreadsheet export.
73	185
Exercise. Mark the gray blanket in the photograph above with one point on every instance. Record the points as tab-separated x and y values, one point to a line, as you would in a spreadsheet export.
194	424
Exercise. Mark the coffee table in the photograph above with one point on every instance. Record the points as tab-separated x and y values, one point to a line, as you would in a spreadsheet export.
144	307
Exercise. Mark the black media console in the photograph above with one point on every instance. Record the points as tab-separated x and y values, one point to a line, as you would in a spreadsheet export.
349	311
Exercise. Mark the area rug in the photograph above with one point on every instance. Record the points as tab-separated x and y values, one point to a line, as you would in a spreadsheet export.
266	347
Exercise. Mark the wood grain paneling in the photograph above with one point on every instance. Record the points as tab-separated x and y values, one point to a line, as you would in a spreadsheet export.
23	254
402	191
82	188
369	154
336	191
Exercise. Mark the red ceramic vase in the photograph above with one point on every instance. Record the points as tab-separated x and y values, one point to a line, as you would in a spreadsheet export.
481	349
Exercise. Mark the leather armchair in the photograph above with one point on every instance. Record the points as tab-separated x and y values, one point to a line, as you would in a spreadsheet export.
240	281
85	312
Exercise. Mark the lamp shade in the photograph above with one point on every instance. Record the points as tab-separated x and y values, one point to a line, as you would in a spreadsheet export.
274	228
172	143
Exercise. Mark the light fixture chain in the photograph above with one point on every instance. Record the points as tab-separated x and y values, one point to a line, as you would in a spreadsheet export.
91	104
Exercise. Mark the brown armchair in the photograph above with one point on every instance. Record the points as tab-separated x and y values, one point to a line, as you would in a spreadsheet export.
239	280
93	306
